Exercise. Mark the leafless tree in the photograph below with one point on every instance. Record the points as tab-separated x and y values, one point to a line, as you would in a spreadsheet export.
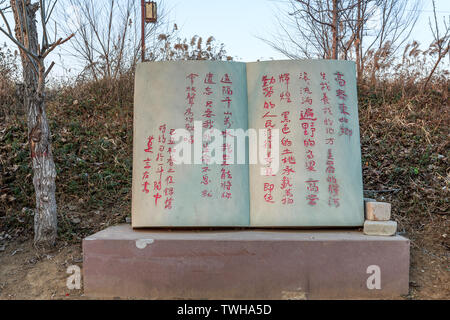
343	29
312	28
396	20
107	37
441	42
33	57
356	21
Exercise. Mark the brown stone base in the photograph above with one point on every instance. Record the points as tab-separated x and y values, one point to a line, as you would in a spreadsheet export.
253	264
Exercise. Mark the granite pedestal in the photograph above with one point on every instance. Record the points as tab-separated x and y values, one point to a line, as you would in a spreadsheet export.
249	264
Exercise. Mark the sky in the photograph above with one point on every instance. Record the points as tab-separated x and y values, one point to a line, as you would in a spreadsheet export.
240	23
237	24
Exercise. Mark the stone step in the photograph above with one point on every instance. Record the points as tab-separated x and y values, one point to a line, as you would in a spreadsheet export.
248	264
380	228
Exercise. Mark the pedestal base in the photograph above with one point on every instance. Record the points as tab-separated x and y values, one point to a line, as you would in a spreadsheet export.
250	264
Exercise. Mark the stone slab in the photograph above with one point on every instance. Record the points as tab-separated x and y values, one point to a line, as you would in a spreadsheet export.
243	264
328	190
378	211
161	107
380	228
171	96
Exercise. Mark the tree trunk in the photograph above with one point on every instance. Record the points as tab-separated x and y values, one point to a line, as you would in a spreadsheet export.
358	42
335	30
441	55
44	172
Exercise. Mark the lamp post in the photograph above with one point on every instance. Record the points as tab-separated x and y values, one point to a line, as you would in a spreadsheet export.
148	15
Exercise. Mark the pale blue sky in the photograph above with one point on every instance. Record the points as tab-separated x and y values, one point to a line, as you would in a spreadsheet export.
237	23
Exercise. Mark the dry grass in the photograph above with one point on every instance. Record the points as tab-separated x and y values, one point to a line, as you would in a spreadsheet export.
405	154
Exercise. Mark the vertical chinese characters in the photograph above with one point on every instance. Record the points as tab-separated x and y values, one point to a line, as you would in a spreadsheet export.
147	165
269	124
208	117
169	188
191	92
333	187
287	156
162	178
226	175
343	108
308	123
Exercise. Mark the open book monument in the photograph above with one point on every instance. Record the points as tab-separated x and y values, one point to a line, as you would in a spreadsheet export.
264	144
246	144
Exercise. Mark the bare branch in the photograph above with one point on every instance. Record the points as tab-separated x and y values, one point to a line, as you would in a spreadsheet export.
19	44
55	44
44	26
6	21
442	43
49	69
107	35
50	12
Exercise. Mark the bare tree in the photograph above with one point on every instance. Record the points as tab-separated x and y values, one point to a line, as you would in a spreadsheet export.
311	28
107	37
396	20
332	29
441	42
355	24
33	57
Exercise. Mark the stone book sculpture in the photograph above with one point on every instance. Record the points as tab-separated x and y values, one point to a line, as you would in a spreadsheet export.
263	144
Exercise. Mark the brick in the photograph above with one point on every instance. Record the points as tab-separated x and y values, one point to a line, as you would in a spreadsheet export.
380	228
378	211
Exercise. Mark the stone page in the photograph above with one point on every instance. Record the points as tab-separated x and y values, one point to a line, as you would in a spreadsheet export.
204	99
309	173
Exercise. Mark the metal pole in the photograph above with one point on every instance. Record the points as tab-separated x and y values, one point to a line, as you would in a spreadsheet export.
143	30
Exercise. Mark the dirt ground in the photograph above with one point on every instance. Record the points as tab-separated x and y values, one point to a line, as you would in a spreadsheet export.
29	274
26	273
